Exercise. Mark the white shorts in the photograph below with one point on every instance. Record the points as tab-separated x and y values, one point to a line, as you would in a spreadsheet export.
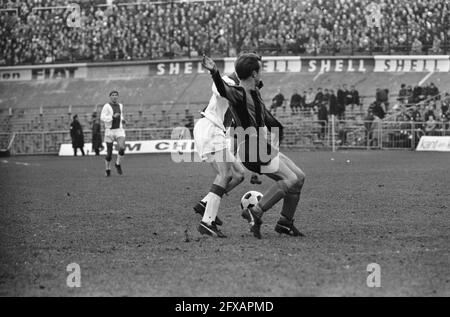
112	135
209	139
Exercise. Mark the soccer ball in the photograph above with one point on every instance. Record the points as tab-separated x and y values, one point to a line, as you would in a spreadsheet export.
250	199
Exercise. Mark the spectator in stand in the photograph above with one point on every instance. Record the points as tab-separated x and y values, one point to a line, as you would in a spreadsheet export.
341	103
403	94
333	104
429	113
309	99
433	92
445	104
410	96
318	99
430	126
348	97
326	98
296	102
277	101
322	116
382	97
417	47
415	114
377	110
354	99
419	94
303	103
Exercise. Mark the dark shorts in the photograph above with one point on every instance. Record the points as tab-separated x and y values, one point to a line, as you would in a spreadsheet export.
254	161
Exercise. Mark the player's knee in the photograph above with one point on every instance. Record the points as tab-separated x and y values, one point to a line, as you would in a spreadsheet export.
239	177
226	176
301	177
295	184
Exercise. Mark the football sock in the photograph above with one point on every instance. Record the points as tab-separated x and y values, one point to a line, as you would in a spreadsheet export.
290	203
119	158
212	207
272	196
108	165
207	197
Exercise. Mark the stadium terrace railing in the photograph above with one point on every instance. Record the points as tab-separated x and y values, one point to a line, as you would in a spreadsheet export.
299	135
379	134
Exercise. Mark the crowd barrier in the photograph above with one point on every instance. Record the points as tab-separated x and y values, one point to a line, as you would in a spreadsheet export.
333	135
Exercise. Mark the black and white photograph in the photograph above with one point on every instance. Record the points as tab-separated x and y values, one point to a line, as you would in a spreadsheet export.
224	154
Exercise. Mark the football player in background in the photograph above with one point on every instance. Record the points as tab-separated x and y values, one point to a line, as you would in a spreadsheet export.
112	116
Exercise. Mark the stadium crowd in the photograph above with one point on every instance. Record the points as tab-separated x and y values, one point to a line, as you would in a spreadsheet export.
221	28
425	105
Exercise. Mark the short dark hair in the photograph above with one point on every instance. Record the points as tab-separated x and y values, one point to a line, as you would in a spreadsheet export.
246	63
113	92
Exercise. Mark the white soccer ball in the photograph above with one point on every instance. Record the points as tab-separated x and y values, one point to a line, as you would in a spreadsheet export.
250	199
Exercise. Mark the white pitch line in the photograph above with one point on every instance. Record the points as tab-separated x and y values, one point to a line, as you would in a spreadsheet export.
19	163
22	163
318	75
425	250
425	78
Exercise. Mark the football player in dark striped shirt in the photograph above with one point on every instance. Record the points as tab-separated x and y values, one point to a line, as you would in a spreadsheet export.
254	122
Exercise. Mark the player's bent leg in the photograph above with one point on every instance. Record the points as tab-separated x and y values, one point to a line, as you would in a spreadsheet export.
285	224
108	158
200	207
238	176
285	180
209	206
208	225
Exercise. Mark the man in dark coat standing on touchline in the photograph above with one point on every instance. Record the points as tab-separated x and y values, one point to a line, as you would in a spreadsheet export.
76	133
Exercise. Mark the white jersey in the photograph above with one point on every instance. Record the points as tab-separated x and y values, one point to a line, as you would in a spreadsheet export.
107	116
218	106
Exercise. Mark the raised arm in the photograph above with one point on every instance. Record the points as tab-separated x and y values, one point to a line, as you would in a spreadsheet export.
229	92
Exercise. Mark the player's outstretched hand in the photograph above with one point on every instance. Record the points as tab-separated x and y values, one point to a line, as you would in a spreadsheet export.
208	63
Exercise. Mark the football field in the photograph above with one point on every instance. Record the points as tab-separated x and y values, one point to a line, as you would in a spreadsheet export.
136	234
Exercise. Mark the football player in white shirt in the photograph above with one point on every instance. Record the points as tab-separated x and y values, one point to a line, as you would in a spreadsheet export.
112	116
213	146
